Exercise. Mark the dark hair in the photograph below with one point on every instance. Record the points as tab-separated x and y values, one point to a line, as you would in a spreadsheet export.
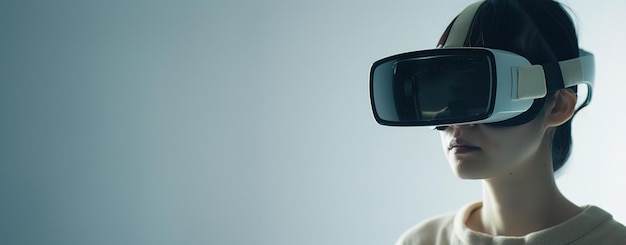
541	31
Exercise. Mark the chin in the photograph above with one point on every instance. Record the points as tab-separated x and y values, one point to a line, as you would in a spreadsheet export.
469	171
469	176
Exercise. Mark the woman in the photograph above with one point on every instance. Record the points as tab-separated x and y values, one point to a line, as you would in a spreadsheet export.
515	156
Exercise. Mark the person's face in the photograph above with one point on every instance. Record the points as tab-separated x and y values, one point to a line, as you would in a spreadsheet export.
481	152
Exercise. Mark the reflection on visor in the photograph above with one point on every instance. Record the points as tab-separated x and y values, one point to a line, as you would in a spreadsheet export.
439	88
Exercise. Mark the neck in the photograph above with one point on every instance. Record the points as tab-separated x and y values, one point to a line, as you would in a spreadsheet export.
521	202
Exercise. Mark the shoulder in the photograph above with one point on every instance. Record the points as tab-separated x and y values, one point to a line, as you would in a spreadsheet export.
437	230
607	231
592	226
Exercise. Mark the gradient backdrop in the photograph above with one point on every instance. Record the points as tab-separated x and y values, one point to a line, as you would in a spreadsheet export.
245	122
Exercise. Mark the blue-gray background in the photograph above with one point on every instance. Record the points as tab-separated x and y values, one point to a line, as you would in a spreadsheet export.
244	122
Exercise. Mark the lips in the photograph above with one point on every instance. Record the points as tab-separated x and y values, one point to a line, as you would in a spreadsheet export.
459	145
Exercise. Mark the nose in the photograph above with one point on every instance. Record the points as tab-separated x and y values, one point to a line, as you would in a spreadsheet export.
455	126
463	125
456	130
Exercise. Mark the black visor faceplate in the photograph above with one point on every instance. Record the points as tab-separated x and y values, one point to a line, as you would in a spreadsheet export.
433	87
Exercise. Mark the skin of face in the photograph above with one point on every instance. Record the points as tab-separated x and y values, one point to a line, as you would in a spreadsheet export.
478	151
515	164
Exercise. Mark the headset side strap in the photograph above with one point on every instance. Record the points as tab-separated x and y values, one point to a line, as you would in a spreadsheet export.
531	82
580	70
554	76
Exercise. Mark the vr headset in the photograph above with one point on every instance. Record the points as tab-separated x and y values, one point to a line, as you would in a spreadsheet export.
468	85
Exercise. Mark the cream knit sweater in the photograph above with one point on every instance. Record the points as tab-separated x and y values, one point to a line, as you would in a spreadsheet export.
592	226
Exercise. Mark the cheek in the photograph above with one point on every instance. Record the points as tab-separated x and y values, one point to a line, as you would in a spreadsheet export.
515	144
